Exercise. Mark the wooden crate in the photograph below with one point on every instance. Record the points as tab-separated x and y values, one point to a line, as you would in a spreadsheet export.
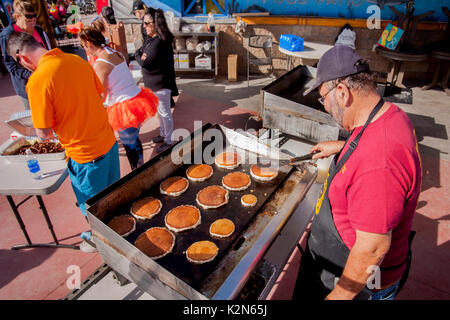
232	62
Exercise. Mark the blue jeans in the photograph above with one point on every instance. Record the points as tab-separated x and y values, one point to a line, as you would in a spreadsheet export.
133	146
386	294
90	178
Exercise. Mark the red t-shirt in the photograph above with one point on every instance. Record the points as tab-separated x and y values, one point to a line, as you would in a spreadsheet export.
378	187
36	35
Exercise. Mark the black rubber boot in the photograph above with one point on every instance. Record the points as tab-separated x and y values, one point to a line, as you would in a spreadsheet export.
140	153
135	156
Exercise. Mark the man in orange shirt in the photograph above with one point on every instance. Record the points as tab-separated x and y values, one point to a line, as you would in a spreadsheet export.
64	94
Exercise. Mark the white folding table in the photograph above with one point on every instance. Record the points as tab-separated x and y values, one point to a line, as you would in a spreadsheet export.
311	51
16	180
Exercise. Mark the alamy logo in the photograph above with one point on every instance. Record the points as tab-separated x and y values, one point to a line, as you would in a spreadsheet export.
74	281
374	280
374	20
203	147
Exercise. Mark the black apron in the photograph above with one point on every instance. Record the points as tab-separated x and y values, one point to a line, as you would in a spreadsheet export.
326	254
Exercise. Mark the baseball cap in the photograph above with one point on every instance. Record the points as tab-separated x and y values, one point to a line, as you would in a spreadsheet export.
137	5
339	61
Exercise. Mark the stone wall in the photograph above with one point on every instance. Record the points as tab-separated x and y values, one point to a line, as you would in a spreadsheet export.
233	43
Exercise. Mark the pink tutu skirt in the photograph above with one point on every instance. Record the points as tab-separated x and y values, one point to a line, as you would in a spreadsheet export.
133	112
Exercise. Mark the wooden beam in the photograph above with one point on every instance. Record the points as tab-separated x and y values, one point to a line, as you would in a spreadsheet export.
329	22
251	14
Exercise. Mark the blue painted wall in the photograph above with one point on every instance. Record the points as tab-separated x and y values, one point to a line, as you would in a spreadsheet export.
166	5
350	9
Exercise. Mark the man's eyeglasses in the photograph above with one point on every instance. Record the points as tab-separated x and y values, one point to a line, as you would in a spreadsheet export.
322	98
30	16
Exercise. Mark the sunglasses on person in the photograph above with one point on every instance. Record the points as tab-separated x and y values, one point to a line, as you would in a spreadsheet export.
30	16
146	23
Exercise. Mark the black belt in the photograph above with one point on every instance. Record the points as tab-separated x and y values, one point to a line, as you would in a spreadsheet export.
98	159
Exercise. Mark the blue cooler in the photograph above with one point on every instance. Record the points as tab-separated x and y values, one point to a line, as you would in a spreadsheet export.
291	42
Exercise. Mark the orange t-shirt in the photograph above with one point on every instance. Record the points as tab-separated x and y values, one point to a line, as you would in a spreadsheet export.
64	94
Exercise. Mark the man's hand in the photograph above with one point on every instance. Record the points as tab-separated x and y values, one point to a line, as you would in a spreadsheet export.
326	148
369	250
45	133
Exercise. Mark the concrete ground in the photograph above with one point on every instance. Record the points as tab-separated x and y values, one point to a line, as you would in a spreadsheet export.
44	273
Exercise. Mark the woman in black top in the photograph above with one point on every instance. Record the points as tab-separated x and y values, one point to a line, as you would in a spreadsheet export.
156	59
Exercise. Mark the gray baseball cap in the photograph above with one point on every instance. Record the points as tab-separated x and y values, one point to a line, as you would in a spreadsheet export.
339	61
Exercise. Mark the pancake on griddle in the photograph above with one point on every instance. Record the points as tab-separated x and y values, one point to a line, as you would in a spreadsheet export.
156	242
249	200
228	160
174	186
212	197
146	208
123	224
236	181
263	174
182	218
222	228
201	252
199	172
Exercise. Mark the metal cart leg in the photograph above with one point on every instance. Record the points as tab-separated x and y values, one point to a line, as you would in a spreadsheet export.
47	218
29	244
18	218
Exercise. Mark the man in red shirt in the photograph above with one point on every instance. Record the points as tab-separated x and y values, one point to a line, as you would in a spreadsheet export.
359	245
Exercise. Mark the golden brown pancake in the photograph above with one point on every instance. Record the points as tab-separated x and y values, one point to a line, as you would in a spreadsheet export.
263	174
212	197
228	160
202	252
174	186
199	172
123	224
249	200
236	181
222	228
156	242
146	208
183	218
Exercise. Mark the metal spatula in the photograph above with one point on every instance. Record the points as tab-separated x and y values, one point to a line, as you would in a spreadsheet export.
282	162
296	160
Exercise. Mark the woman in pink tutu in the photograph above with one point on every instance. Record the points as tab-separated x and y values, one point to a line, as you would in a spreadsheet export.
128	105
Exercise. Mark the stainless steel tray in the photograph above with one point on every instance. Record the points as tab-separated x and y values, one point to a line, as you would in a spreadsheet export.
11	146
22	123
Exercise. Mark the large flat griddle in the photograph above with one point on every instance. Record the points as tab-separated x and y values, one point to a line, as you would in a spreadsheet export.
176	262
173	277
